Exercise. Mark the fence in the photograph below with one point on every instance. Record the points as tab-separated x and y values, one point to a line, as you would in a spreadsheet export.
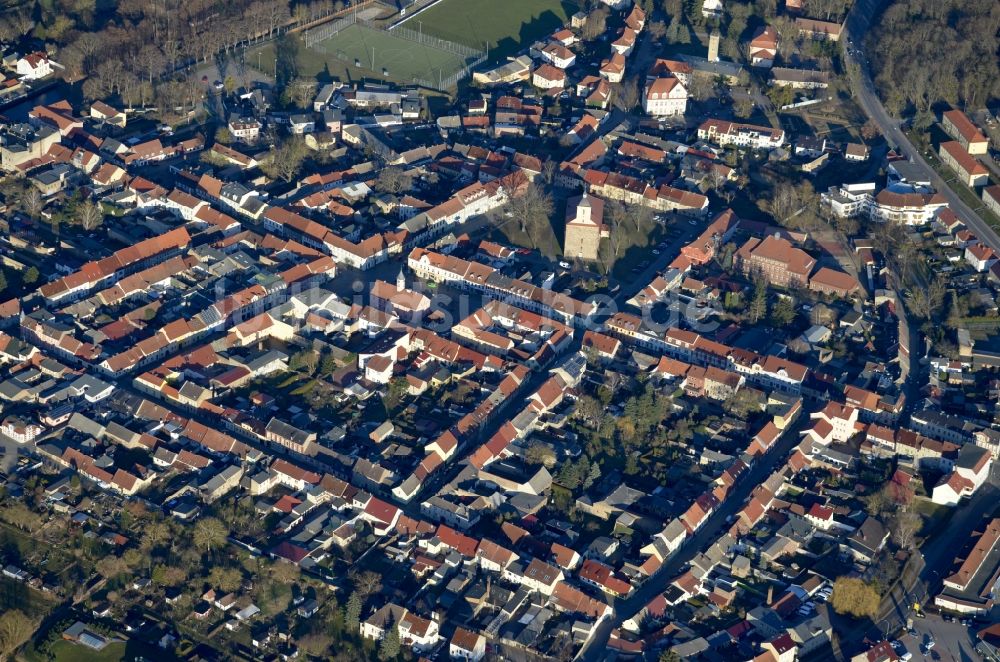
461	50
471	56
447	82
315	35
434	42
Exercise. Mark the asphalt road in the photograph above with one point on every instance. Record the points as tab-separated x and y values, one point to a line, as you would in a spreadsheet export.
953	642
938	557
858	22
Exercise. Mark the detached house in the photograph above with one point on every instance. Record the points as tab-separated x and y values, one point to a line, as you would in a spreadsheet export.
245	130
665	97
105	113
558	55
420	634
636	18
625	42
980	256
549	77
613	69
971	470
34	66
467	645
867	540
764	47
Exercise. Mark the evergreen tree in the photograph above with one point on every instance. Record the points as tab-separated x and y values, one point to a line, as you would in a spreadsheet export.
389	650
592	477
352	613
782	313
758	306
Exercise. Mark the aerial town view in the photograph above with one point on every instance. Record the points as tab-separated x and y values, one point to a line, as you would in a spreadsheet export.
482	330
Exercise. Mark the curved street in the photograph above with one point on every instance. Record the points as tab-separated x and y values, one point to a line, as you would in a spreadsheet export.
855	28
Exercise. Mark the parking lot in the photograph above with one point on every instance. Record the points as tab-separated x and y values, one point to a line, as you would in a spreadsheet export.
954	642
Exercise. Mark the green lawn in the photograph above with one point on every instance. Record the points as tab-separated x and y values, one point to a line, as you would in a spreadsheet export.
15	595
935	516
67	651
507	25
376	50
543	238
335	58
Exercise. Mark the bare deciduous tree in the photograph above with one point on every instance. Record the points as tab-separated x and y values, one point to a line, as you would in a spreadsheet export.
15	628
905	527
531	209
367	583
925	302
627	95
32	203
596	24
286	160
393	180
91	215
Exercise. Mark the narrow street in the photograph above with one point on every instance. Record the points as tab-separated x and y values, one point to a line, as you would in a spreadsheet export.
719	521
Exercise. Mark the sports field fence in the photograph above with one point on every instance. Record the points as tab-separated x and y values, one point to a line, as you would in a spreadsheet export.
313	36
471	57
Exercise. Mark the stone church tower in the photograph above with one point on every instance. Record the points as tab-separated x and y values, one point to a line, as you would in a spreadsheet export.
584	227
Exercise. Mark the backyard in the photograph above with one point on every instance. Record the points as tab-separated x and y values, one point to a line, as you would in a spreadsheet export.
66	651
506	27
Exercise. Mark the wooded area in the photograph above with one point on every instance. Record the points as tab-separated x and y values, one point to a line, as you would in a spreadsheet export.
126	49
929	51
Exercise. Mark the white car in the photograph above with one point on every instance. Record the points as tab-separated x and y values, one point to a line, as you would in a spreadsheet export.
564	265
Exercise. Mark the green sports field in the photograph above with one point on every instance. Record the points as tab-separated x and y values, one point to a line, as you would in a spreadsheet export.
506	25
347	56
375	50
